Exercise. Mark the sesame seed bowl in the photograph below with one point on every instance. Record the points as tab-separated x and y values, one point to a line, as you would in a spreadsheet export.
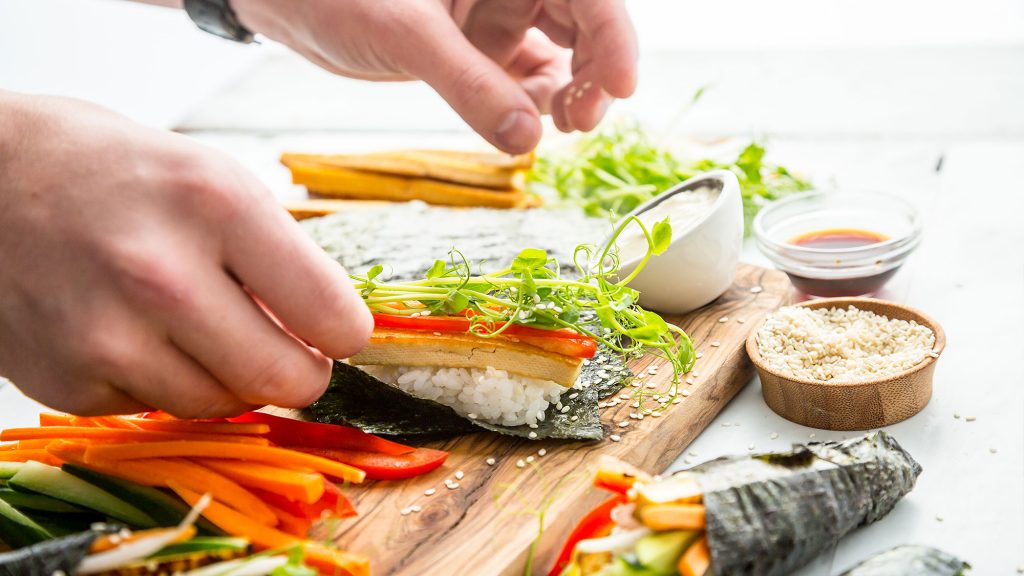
826	365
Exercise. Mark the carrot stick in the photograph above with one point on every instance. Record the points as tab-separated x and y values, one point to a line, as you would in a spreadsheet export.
111	541
68	451
103	422
49	419
33	444
10	446
696	560
297	485
234	522
120	435
291	523
672	516
335	562
38	455
199	427
267	454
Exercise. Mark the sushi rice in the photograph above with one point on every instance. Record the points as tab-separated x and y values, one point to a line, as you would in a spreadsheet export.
489	394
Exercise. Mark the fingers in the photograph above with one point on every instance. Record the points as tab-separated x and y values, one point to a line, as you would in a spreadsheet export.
242	348
479	90
542	69
306	289
169	379
607	30
581	104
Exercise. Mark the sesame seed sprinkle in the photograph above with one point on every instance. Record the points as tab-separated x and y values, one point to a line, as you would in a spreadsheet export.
532	435
574	418
993	450
491	461
459	474
405	512
740	320
471	416
716	344
756	289
700	355
530	459
723	319
971	418
624	424
453	485
750	448
774	435
542	452
677	401
615	437
956	415
811	435
520	463
430	491
415	508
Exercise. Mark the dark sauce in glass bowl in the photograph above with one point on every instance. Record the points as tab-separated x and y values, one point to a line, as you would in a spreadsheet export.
840	239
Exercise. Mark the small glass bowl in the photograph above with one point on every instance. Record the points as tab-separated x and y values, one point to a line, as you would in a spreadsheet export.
830	272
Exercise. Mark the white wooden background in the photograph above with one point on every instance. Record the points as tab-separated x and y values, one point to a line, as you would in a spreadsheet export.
859	95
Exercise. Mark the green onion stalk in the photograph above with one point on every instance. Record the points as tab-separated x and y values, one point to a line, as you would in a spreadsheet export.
530	292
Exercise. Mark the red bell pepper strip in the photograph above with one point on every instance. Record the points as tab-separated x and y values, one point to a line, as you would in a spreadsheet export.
562	341
384	466
596	524
288	432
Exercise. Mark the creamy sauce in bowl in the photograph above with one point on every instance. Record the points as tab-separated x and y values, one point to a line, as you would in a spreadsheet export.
683	209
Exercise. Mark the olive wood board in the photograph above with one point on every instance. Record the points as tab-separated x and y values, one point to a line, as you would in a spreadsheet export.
488	524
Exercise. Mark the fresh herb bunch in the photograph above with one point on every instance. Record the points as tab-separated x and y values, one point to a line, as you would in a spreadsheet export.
530	292
614	170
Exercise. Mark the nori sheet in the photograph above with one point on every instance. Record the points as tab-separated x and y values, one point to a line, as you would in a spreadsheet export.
770	514
911	560
355	398
47	558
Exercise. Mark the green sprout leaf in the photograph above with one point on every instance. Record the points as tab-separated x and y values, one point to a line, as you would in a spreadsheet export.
661	235
438	269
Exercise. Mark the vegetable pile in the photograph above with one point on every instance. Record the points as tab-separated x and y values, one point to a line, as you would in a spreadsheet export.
269	479
614	170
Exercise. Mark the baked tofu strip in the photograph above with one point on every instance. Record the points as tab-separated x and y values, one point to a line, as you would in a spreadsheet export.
419	348
360	185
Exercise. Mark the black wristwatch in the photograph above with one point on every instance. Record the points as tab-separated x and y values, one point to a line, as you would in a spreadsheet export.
217	18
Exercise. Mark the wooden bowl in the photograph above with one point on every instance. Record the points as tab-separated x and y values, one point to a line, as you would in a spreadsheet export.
859	405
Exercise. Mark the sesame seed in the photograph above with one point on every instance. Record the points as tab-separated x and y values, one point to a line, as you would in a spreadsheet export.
751	447
939	518
437	333
615	437
574	395
542	452
540	415
405	512
726	424
565	409
695	374
459	474
687	461
601	404
490	461
811	435
529	459
430	491
415	508
723	319
471	416
534	426
700	355
690	381
756	290
740	320
453	485
636	384
685	393
933	354
586	362
716	344
574	418
624	424
652	370
587	85
520	463
956	415
677	401
568	99
993	450
693	453
971	418
624	396
655	414
652	385
633	415
532	435
774	435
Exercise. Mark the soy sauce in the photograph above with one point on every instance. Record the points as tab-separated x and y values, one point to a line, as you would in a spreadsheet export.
838	239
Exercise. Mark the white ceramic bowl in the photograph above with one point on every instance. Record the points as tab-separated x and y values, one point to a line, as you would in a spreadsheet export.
700	263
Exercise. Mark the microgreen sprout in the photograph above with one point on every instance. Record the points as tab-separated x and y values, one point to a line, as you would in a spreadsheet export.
531	292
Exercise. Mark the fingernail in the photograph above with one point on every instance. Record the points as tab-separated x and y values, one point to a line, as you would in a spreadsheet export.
518	132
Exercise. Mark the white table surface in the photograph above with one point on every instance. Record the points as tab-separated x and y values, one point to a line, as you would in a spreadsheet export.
878	118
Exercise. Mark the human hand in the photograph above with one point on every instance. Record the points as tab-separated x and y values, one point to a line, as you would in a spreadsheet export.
131	260
498	63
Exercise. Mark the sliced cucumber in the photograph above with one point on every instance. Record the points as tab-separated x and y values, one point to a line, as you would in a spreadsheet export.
8	469
60	524
56	483
30	501
17	530
165	509
205	544
659	553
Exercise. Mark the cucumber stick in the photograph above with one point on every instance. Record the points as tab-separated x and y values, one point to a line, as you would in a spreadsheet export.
17	530
58	484
8	469
32	501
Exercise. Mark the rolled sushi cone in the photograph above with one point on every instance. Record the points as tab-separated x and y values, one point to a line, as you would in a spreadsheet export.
766	514
910	559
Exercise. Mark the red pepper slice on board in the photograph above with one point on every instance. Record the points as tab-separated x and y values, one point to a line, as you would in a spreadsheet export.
288	432
384	466
596	524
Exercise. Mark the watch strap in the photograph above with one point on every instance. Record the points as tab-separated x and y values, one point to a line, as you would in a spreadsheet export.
217	18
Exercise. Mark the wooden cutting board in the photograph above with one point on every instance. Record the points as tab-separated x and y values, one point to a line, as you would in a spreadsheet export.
488	524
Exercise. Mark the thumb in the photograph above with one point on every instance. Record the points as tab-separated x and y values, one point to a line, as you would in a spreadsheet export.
476	87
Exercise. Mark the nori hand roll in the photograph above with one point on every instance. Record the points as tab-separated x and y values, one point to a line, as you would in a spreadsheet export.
911	560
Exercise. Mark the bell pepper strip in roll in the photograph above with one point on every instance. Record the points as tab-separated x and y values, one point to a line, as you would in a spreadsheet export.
122	435
290	523
562	341
334	562
288	432
298	485
696	560
383	466
596	524
190	449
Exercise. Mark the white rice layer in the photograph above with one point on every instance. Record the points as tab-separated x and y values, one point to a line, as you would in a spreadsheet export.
487	394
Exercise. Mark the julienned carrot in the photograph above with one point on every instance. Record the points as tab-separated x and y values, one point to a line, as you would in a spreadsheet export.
290	523
49	419
111	541
696	560
199	427
236	523
39	455
34	444
331	561
103	422
68	451
121	435
296	485
672	516
267	454
10	446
